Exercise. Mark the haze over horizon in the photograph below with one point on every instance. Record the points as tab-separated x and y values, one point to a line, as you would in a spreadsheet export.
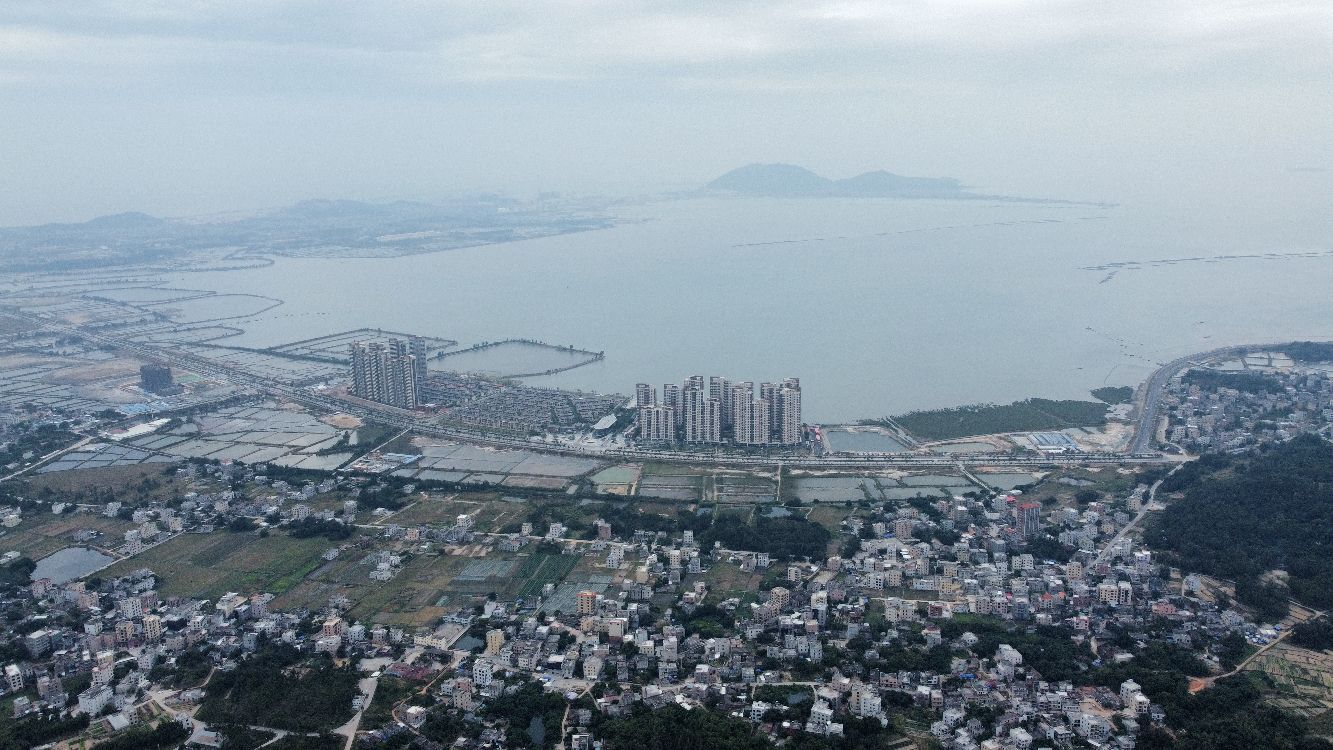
179	109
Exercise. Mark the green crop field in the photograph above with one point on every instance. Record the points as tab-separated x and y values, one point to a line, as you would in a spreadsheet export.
726	580
541	569
209	565
134	483
487	510
408	598
830	516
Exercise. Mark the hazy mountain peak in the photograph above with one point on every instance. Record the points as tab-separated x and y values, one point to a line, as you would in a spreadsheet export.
789	180
881	181
126	220
771	179
317	207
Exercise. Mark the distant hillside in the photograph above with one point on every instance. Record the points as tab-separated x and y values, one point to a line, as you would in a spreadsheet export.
887	183
325	228
790	181
128	220
772	179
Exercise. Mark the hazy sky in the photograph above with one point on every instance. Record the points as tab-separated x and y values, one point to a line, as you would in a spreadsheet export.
188	107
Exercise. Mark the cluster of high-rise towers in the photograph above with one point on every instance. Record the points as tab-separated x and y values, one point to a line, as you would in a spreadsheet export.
721	411
390	372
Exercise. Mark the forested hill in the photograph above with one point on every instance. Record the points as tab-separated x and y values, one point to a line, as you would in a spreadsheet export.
1241	517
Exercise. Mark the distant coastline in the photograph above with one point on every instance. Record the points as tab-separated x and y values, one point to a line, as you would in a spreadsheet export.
792	181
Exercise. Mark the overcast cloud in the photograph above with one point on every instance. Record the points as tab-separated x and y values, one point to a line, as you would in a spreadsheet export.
189	107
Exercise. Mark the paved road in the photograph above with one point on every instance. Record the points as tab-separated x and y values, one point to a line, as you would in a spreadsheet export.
564	722
1203	683
1150	393
1148	505
367	687
48	458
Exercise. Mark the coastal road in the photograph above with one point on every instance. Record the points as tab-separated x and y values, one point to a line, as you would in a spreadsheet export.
1149	395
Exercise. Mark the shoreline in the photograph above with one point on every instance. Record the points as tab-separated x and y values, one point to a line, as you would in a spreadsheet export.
1144	417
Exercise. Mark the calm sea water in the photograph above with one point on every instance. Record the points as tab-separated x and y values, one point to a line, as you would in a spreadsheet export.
879	306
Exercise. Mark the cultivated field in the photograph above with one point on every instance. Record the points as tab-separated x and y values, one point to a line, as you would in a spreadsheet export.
487	511
209	565
39	535
726	580
541	569
117	478
430	584
1303	678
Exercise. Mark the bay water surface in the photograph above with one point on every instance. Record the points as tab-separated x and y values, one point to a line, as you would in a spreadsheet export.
879	306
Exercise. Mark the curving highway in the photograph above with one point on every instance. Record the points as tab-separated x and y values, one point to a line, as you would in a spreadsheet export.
1149	395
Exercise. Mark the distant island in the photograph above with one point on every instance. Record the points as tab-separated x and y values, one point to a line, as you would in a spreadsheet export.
791	181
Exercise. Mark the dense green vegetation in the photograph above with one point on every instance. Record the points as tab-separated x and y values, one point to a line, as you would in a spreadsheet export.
1270	600
321	741
1315	634
857	734
895	658
276	688
445	726
1045	648
237	737
984	419
1048	548
165	735
1160	669
309	527
32	731
1189	473
40	440
783	538
1113	394
709	622
624	518
533	715
1231	649
1245	382
1231	715
1272	510
386	494
1309	351
17	573
674	728
389	691
191	669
